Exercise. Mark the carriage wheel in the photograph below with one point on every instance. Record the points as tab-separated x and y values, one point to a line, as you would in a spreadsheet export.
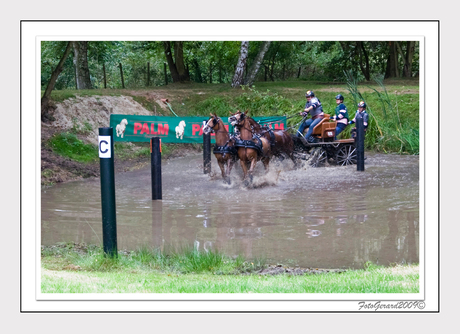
318	157
346	155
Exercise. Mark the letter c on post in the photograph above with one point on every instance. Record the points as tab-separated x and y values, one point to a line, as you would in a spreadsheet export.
104	147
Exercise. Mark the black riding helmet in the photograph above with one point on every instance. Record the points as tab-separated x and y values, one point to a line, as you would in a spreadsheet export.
362	104
339	97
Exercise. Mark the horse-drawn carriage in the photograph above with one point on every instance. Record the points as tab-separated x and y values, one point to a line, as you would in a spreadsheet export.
324	148
255	142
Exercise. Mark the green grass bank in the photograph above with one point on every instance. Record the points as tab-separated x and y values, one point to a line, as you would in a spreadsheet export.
75	268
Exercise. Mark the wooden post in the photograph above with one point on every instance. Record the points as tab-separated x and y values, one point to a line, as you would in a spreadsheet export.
121	73
105	77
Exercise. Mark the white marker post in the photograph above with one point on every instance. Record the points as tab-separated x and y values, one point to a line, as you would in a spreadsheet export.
109	215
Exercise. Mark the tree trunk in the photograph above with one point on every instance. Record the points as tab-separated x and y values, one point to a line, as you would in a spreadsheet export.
179	59
169	59
238	78
166	74
198	76
363	63
105	76
121	74
256	64
54	76
407	58
176	65
392	70
80	60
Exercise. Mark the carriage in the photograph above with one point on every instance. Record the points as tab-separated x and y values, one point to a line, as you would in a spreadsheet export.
325	149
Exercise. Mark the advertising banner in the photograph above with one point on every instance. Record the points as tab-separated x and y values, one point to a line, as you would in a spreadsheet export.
136	128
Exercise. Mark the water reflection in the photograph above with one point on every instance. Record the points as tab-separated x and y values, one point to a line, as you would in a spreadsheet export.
341	225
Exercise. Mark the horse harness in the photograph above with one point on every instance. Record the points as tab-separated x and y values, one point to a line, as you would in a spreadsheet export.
258	146
225	149
272	135
250	144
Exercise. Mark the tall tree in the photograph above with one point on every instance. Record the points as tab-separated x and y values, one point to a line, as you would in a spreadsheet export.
238	78
46	96
392	70
176	66
256	64
80	60
407	57
180	64
363	60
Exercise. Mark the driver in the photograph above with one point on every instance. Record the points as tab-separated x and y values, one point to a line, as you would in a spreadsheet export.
314	108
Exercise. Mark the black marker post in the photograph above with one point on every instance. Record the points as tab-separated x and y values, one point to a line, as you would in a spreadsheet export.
360	144
206	152
155	161
109	214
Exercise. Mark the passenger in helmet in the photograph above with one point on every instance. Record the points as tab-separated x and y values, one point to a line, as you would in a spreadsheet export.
360	113
314	108
341	115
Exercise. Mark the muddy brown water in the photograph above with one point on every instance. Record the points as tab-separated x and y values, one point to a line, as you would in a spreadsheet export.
330	217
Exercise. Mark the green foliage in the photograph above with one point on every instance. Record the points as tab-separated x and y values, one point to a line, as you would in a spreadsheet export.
263	103
68	145
214	61
217	104
395	126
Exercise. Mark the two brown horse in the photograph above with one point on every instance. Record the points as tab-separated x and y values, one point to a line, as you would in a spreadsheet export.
251	146
224	151
281	142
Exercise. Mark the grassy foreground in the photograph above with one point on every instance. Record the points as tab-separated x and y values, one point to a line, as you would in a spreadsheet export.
71	268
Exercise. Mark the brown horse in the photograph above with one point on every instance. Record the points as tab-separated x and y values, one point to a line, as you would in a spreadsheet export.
280	141
224	151
251	147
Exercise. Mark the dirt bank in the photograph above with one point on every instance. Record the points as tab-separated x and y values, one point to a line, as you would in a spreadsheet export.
83	116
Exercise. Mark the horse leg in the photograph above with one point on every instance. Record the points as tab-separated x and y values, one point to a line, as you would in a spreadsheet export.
230	163
245	169
294	160
266	161
222	169
253	166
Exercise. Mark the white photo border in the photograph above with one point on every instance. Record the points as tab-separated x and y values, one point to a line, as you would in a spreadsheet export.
33	32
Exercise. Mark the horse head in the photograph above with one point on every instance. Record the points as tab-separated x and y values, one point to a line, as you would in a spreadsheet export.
213	122
237	118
